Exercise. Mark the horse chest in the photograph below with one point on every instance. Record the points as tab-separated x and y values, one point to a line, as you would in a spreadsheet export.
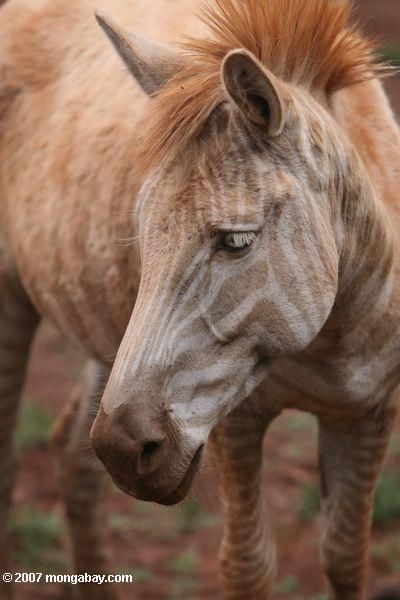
344	388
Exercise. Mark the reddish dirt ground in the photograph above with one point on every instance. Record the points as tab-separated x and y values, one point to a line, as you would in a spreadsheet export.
173	552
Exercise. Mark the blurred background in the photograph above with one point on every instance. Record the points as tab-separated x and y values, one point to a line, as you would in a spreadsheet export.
172	552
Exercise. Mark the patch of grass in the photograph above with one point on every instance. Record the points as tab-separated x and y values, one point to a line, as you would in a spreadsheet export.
37	539
184	588
322	596
143	518
287	585
394	447
140	574
191	516
185	562
386	554
300	421
185	583
144	508
390	54
34	427
387	499
310	504
381	554
119	522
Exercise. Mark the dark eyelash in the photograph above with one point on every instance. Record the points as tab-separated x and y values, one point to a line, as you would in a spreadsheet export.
238	240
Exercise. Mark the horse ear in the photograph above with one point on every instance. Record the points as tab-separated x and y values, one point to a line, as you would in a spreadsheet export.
151	64
254	90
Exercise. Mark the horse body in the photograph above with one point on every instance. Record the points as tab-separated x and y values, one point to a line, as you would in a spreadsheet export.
71	120
85	169
75	104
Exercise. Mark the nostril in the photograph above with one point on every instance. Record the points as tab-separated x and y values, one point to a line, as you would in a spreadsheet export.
149	449
149	453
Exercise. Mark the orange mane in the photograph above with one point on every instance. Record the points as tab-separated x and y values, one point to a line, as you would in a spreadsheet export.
303	42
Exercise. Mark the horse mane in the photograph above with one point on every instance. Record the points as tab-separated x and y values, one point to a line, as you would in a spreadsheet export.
309	43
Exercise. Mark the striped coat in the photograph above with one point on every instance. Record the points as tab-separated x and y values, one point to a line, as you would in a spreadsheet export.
248	182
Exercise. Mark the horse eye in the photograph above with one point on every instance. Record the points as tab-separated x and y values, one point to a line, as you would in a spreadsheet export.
238	240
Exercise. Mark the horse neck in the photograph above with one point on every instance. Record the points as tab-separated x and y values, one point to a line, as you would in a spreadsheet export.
369	256
364	113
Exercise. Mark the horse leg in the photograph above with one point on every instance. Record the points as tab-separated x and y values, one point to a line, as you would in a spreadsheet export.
84	482
18	322
350	462
247	554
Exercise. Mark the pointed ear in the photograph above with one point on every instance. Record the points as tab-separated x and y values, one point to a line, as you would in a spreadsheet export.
254	90
150	63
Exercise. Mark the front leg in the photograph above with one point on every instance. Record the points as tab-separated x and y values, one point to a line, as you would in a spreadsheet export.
350	462
84	483
247	554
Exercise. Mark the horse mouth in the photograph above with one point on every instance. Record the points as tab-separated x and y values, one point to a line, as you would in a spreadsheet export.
177	495
181	491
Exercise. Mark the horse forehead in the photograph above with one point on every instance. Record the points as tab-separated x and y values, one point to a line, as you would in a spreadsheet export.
205	184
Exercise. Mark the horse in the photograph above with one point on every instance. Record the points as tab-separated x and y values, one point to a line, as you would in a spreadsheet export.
214	220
